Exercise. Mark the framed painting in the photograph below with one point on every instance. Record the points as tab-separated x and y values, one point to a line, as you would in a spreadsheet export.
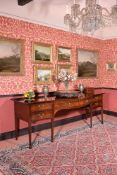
42	53
11	57
87	63
64	54
111	66
42	75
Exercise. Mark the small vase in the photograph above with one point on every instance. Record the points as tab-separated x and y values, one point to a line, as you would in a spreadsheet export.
66	84
35	91
29	100
81	88
45	91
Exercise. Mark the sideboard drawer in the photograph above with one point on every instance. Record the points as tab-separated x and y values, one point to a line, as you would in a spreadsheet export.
97	104
99	98
70	104
41	115
41	107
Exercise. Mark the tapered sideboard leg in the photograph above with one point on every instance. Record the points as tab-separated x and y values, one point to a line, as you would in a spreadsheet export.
29	131
102	119
16	127
52	129
91	115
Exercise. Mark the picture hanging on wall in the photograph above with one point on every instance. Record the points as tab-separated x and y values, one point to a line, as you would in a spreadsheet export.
42	53
64	54
11	57
111	66
42	75
87	63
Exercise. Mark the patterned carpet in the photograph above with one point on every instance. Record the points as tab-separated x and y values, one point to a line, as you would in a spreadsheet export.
81	151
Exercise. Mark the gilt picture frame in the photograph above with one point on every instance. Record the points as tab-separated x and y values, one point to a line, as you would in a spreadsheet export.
64	54
111	66
11	57
42	75
42	53
87	63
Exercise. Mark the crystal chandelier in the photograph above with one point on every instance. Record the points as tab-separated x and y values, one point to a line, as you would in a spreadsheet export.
91	18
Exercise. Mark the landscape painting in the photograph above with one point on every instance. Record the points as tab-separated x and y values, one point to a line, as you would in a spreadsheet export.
42	75
64	54
87	63
42	53
10	57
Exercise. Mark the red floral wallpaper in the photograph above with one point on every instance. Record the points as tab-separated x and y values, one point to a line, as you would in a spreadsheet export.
30	33
108	53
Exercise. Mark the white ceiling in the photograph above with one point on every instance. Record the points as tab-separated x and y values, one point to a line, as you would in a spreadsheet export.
51	13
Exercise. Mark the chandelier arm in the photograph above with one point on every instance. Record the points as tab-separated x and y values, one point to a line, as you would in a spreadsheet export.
79	22
84	9
109	14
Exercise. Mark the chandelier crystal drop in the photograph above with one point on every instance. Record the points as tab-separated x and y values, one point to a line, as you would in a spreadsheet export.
90	18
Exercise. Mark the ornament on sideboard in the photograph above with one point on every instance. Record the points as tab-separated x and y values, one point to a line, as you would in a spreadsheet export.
66	77
81	88
45	90
35	91
29	95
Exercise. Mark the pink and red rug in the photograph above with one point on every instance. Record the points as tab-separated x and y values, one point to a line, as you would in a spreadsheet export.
81	151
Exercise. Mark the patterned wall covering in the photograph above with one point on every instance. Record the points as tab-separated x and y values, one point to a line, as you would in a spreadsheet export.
29	33
108	53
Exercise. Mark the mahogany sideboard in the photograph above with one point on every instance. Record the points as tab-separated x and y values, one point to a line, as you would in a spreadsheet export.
46	108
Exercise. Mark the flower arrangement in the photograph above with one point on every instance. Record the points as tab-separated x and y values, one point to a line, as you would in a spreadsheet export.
29	95
65	76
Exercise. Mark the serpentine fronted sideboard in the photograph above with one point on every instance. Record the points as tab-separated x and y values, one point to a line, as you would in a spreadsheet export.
47	108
